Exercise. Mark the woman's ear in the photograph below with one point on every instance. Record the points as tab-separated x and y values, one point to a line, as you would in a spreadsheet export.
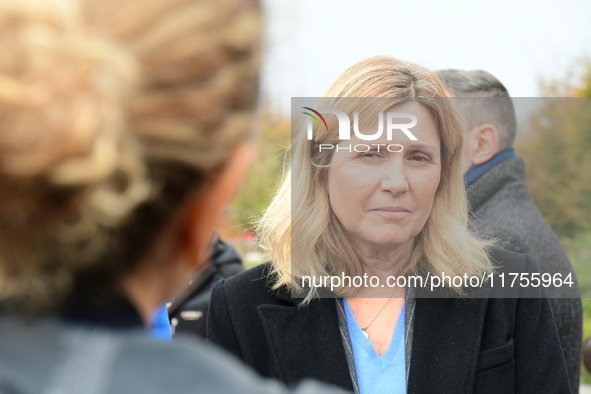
204	210
486	137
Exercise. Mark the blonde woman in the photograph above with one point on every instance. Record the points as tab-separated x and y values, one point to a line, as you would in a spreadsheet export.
124	131
372	211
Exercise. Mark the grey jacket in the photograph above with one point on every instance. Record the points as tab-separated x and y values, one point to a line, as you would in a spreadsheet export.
501	209
49	356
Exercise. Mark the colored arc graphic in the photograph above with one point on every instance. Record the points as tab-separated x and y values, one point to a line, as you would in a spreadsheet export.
315	118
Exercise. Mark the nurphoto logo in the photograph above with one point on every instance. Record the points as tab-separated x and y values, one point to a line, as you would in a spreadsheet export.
392	123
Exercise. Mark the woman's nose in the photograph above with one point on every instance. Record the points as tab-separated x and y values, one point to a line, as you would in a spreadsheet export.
394	179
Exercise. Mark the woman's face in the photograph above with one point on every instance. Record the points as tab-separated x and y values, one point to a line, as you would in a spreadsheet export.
383	199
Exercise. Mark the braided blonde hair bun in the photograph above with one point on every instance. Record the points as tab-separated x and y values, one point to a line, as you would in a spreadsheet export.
111	112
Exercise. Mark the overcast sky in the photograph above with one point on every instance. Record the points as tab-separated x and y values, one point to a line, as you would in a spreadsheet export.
310	42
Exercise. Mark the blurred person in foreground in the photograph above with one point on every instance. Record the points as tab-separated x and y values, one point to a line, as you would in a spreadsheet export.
124	132
500	202
384	213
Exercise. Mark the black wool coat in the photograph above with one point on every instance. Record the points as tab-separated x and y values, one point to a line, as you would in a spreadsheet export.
478	345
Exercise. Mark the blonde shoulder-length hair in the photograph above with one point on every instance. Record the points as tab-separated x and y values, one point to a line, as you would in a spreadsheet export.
300	233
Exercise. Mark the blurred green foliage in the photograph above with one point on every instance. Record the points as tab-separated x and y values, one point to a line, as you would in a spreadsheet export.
584	89
557	152
586	376
558	156
265	173
578	249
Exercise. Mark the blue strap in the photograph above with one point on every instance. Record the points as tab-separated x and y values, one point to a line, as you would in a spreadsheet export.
160	325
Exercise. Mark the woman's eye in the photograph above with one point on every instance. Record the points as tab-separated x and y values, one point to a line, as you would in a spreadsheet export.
370	154
419	158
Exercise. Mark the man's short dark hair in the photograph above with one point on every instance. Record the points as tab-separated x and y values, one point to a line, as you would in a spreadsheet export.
490	102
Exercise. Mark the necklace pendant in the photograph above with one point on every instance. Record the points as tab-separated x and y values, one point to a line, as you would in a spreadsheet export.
365	333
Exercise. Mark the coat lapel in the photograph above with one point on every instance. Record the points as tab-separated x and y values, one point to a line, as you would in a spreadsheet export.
446	343
306	341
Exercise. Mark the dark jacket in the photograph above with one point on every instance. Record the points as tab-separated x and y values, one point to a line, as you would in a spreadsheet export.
502	209
188	311
480	345
96	353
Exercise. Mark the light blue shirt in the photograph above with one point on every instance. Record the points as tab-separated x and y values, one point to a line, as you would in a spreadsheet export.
378	374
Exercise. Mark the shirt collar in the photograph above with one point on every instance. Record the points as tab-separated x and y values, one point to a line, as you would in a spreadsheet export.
114	312
476	171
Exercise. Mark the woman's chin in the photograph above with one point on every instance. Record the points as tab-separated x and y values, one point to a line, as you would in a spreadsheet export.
389	243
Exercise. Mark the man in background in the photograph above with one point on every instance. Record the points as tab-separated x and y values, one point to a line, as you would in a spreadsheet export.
499	199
